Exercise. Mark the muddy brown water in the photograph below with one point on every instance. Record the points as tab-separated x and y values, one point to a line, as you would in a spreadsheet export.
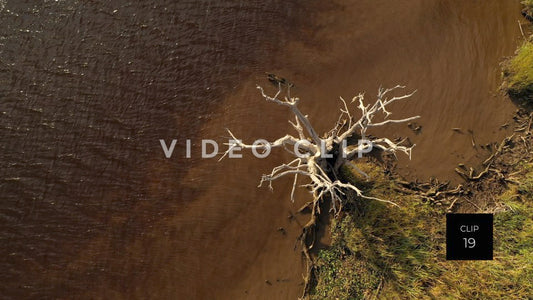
91	208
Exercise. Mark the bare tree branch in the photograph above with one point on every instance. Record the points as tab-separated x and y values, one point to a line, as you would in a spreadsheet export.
313	165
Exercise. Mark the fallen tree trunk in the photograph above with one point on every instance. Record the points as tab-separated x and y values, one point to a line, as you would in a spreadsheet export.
321	158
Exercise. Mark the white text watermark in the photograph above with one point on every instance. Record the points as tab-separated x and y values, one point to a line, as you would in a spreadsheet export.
260	148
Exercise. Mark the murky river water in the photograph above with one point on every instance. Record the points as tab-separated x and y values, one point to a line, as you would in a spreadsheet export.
90	207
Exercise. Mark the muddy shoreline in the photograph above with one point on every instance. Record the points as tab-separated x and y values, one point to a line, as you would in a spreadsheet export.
498	185
504	190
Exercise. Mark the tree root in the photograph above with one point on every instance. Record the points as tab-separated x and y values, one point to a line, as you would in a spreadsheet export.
307	241
432	191
469	175
499	150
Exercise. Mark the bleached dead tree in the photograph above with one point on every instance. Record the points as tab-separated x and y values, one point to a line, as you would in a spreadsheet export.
321	158
314	154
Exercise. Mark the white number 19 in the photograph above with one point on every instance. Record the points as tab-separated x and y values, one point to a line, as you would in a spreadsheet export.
469	242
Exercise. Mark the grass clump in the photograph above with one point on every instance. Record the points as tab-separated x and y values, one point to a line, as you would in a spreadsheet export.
519	71
399	253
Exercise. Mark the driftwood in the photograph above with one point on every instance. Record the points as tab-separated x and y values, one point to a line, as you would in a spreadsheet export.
432	191
320	158
472	140
496	175
469	175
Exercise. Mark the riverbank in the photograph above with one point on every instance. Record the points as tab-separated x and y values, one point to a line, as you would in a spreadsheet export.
400	252
518	70
527	12
385	252
518	73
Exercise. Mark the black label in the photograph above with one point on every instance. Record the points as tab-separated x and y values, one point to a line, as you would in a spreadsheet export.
469	236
